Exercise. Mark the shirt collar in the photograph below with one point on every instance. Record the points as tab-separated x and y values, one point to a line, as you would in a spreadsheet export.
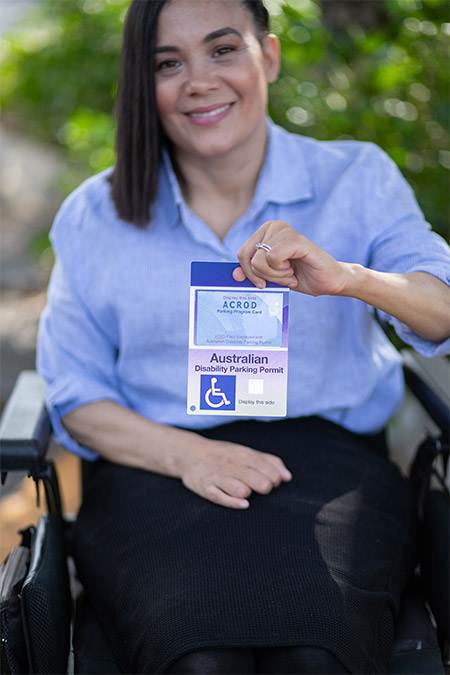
284	176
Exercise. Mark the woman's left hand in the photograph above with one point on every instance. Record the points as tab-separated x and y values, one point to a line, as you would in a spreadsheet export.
293	261
417	299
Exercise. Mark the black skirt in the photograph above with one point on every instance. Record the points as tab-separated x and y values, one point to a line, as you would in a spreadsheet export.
320	561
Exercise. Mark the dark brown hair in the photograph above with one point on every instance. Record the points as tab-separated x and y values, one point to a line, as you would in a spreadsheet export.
139	137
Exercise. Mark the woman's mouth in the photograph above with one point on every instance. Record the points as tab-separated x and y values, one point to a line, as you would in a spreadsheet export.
208	115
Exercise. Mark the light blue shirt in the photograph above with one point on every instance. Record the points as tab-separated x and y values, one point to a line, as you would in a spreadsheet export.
116	323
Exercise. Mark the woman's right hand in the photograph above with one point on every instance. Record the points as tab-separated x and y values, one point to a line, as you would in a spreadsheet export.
227	473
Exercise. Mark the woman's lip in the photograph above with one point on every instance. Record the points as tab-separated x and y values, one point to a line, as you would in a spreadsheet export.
209	111
210	116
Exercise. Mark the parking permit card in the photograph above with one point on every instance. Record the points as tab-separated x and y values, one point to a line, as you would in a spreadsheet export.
238	344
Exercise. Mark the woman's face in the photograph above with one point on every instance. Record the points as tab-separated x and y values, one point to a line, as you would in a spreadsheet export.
211	76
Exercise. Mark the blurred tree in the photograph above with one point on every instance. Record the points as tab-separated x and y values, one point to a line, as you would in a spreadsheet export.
370	70
340	14
387	83
59	72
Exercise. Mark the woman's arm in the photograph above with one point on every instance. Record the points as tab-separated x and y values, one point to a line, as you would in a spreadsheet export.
222	472
418	299
77	356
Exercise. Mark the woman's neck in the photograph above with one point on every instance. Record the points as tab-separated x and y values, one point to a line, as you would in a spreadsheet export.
220	189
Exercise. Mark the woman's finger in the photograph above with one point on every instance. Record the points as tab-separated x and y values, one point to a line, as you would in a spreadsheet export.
233	486
249	272
246	254
263	259
217	496
278	463
270	465
256	480
270	267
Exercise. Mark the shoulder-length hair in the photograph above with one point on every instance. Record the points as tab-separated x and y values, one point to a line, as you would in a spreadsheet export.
139	136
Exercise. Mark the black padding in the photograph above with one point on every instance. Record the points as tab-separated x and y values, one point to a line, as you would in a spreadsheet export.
46	600
13	654
436	558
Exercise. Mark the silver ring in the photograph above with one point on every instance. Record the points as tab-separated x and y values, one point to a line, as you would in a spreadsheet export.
266	247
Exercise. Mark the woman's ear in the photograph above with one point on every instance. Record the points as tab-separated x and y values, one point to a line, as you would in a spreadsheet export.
271	50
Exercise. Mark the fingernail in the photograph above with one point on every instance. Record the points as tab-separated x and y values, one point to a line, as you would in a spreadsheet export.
244	504
287	474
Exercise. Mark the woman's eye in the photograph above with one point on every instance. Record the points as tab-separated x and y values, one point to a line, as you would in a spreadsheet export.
169	64
222	51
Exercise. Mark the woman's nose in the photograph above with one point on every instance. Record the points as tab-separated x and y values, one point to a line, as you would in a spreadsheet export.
201	78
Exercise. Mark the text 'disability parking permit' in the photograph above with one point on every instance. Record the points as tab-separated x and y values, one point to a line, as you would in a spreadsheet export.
238	344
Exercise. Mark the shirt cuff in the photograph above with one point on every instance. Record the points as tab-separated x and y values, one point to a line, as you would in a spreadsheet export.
422	345
425	347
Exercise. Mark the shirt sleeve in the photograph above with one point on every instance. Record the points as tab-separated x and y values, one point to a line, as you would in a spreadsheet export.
402	240
75	356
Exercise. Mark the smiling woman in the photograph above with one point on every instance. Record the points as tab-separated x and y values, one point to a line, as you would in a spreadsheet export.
255	546
186	65
214	79
211	97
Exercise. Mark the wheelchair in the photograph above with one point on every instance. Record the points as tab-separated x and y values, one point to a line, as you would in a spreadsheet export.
47	623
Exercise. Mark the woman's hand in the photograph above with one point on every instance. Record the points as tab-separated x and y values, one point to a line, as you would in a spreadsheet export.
227	473
293	261
417	299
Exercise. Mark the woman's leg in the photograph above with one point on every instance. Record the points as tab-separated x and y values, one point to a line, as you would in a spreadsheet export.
138	533
298	660
214	662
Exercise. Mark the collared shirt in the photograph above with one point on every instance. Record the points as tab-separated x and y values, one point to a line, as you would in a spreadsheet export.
116	323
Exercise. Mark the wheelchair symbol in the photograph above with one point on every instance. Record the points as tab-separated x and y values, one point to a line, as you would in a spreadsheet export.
218	392
213	391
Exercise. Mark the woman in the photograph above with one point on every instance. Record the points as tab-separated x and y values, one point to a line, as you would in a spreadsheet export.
303	569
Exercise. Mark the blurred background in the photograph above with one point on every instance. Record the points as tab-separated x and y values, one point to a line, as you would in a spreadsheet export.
371	70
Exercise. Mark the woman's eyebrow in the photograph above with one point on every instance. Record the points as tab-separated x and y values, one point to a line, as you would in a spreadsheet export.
221	32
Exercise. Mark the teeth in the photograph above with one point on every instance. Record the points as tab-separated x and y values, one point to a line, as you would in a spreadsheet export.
217	111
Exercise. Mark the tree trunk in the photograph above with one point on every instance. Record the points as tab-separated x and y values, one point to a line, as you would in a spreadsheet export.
339	14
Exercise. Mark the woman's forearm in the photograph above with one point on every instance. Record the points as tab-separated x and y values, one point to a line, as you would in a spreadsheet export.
222	472
122	436
418	299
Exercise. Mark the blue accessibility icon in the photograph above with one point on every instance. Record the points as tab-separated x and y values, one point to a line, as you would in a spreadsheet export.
218	392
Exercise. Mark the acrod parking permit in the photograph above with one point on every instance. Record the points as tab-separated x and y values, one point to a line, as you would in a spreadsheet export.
238	344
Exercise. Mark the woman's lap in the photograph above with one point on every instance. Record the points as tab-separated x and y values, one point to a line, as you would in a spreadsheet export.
320	561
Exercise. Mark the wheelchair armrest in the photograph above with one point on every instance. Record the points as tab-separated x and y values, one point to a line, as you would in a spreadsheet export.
25	432
25	426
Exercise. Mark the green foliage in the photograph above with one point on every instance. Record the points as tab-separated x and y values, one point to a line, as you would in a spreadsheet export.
389	85
59	75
